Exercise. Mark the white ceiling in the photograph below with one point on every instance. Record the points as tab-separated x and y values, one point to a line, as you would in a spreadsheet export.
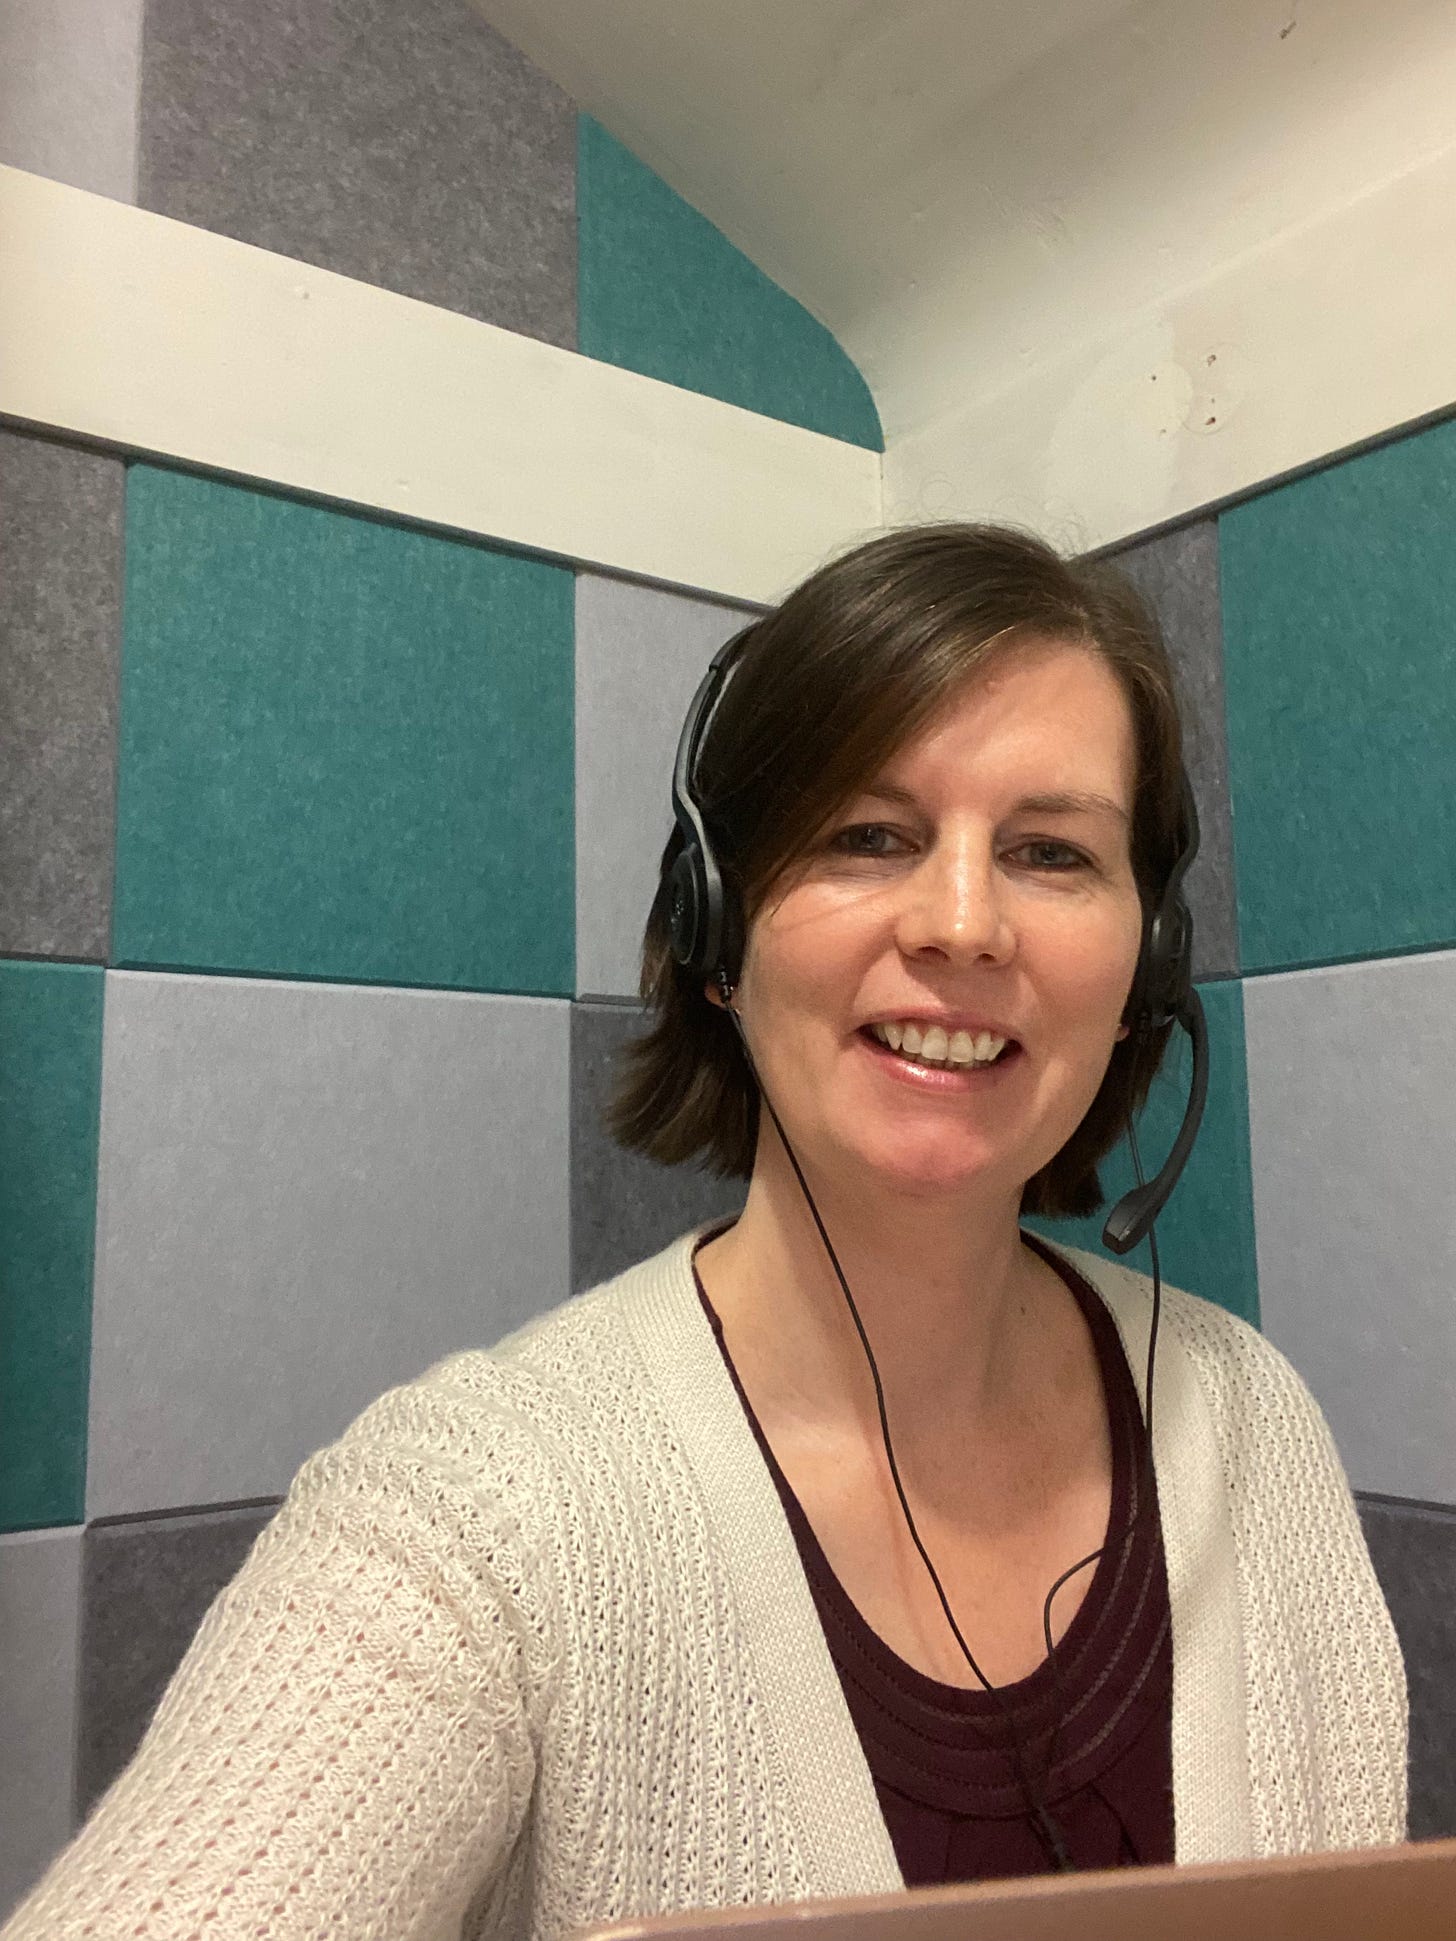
830	139
959	189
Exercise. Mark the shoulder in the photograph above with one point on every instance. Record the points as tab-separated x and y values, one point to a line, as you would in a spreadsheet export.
1223	1388
501	1474
1244	1378
574	1355
520	1419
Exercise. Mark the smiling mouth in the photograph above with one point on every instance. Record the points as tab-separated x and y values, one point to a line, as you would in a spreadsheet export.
935	1049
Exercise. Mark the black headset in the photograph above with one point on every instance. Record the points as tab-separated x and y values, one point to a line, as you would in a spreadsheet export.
705	929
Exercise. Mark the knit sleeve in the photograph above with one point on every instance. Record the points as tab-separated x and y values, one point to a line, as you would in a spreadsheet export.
1324	1678
347	1747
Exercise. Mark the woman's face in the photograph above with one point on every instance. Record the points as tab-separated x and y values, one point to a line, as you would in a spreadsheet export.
980	889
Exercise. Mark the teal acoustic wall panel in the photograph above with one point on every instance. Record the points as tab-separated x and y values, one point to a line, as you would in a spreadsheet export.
50	1084
1206	1232
346	747
662	291
1340	663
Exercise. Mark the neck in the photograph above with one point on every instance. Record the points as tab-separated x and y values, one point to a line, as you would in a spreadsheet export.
943	1287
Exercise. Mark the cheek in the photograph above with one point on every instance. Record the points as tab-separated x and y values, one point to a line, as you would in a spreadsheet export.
1092	971
782	996
1119	980
803	965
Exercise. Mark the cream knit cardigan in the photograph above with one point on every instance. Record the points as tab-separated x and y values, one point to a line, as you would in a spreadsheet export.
531	1647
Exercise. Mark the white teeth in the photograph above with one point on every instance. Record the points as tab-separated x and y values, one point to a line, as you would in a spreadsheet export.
935	1046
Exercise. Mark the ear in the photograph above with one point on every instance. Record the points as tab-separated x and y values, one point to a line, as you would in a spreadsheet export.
1123	1031
720	992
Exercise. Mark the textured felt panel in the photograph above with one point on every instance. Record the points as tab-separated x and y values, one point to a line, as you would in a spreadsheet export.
623	1207
1341	670
60	628
1353	1121
662	291
1178	572
146	1586
408	146
68	91
346	748
40	1586
640	653
50	1074
1413	1548
308	1192
1206	1233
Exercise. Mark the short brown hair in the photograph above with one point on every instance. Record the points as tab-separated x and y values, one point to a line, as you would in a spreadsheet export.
825	689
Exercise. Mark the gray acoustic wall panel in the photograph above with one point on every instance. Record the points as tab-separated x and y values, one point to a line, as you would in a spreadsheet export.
146	1586
68	91
40	1585
60	627
1352	1124
640	653
1178	572
1413	1548
623	1207
307	1192
406	145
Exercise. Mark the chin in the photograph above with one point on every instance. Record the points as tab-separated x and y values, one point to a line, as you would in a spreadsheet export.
927	1169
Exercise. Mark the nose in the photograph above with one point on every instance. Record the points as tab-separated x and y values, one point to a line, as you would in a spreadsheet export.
956	905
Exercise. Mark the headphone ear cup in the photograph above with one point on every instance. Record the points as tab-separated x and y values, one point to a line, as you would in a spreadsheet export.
1165	974
1137	997
685	909
1180	960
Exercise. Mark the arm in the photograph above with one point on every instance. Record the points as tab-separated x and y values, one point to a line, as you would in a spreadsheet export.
347	1746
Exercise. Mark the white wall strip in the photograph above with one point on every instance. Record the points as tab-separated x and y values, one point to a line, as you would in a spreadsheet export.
144	333
1335	332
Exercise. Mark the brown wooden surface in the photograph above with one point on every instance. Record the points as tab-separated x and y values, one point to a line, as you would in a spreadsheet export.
1381	1894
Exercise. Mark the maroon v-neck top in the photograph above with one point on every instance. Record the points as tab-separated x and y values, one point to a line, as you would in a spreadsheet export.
1093	1722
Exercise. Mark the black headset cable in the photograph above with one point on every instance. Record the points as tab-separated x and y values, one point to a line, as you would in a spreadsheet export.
1042	1820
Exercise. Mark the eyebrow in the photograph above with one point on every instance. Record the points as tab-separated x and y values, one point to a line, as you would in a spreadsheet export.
1055	802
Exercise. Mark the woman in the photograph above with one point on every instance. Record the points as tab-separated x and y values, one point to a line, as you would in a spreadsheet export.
628	1614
